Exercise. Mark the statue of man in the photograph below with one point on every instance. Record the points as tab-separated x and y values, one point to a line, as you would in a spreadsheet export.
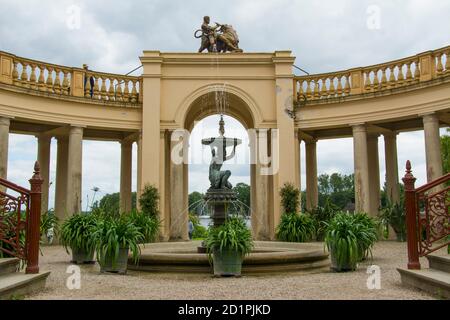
209	36
219	179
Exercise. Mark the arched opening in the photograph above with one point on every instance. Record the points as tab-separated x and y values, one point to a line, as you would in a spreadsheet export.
201	120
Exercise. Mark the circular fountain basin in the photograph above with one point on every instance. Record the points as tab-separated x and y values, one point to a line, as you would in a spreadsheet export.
267	257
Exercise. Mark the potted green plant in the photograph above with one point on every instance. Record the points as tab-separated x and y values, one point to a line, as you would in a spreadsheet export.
114	238
295	227
367	231
342	243
394	215
349	238
76	235
228	244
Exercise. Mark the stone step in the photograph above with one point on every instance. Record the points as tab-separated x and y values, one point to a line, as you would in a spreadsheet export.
9	265
439	262
433	281
17	285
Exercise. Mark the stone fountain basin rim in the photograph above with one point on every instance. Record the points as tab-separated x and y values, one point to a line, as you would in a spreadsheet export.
184	253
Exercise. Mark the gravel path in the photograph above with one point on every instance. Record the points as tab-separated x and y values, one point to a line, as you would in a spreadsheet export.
139	285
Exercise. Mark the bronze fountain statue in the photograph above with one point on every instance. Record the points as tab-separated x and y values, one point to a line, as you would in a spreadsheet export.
218	38
220	193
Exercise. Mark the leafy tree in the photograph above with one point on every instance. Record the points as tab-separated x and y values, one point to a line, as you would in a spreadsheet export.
243	194
111	203
290	198
195	202
337	188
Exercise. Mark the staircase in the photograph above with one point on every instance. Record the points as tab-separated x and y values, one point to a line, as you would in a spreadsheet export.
15	284
434	280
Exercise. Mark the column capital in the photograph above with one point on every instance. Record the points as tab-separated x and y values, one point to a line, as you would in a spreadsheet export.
392	134
359	127
5	121
430	117
76	130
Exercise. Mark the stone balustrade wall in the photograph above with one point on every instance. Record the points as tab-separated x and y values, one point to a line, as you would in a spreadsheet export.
373	79
65	81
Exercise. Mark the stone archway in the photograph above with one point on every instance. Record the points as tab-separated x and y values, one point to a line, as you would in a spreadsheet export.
202	104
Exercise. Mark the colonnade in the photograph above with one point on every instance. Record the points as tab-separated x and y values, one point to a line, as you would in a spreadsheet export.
174	176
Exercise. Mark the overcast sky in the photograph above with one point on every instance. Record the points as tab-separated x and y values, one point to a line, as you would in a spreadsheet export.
323	35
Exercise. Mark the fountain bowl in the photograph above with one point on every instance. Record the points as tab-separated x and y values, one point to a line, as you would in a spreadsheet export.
268	257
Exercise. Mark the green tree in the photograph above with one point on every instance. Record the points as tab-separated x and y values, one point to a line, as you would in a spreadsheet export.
149	201
445	149
243	194
195	202
337	188
110	203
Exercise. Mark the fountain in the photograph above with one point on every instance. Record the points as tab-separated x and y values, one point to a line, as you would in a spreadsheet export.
221	193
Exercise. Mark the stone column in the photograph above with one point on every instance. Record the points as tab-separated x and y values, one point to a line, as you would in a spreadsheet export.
432	146
44	143
61	179
261	196
74	170
374	174
4	145
392	179
126	176
139	185
164	203
361	163
312	187
297	155
178	207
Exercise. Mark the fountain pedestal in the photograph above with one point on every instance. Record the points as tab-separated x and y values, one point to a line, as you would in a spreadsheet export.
219	200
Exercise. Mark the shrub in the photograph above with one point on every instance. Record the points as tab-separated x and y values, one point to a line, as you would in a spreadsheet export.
200	232
321	216
232	235
295	228
149	201
368	230
147	225
290	198
394	215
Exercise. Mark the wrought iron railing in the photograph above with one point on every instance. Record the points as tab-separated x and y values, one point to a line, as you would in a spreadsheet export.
427	216
20	215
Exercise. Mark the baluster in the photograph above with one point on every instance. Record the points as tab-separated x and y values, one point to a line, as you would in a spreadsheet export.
87	87
409	77
134	92
24	76
65	84
15	74
316	89
41	81
97	88
392	80
439	67
376	80
401	77
126	92
340	90
111	89
49	82
119	96
447	63
323	89
332	91
33	84
308	89
57	85
347	85
417	72
300	89
383	79
103	89
367	83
